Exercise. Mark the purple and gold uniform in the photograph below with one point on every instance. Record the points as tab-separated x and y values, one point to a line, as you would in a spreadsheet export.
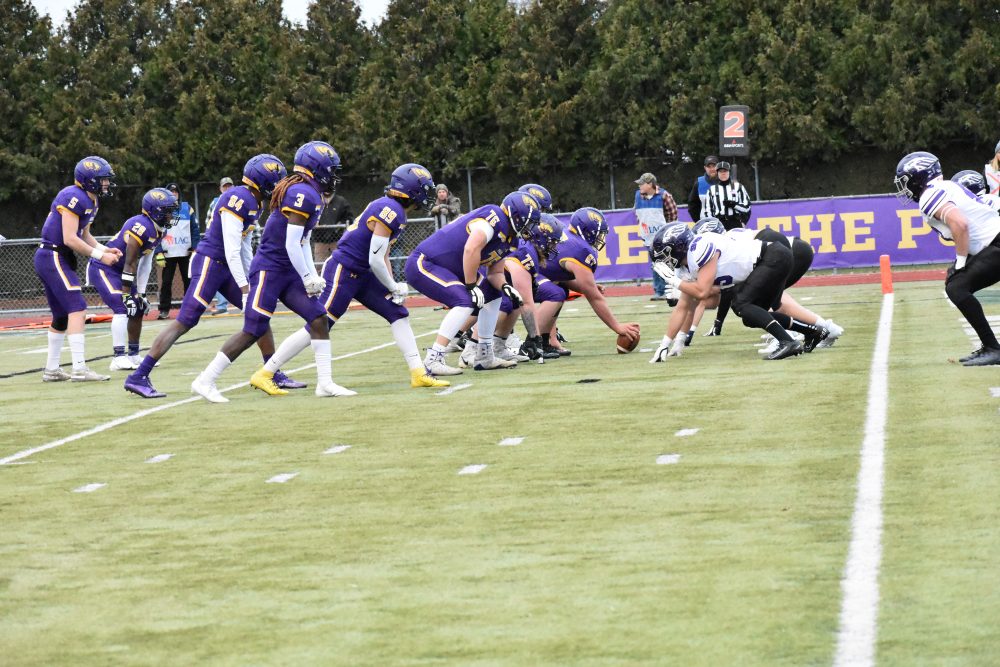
209	269
435	266
108	279
272	276
347	272
527	256
55	263
571	250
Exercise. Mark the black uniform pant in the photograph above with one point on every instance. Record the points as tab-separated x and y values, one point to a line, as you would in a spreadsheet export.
981	270
167	280
762	289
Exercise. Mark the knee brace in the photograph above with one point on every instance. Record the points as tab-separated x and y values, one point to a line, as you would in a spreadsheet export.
60	323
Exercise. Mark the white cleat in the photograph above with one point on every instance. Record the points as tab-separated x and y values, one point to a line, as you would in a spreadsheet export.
437	367
457	344
331	388
487	361
55	375
774	343
504	351
208	391
86	375
468	356
836	331
122	363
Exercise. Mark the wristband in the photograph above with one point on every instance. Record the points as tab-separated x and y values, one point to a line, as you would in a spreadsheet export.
471	286
127	278
960	262
97	252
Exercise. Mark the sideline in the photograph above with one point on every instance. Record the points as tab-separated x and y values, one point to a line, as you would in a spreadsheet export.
859	608
100	428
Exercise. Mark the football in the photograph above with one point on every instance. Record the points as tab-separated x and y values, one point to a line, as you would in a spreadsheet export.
624	345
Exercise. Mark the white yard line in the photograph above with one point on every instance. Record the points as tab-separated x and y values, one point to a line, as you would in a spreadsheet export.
452	389
100	428
512	441
282	478
859	608
473	469
667	459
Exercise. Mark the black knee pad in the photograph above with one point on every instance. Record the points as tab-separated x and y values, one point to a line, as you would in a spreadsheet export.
60	323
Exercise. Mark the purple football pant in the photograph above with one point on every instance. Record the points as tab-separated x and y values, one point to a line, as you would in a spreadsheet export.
109	285
208	276
549	291
342	285
62	285
267	286
440	284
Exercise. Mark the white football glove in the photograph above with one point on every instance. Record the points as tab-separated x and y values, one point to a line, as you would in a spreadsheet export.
677	347
476	294
662	351
314	285
666	272
513	295
399	294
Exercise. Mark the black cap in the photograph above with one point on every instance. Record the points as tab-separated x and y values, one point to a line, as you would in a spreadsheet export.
171	186
724	165
711	159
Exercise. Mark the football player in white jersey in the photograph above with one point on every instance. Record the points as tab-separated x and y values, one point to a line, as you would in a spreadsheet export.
960	216
756	269
975	183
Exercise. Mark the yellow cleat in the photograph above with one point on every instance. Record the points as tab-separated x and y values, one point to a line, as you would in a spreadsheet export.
420	378
264	381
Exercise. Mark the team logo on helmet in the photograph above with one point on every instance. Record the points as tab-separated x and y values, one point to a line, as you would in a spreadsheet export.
546	228
535	192
272	167
158	195
420	172
90	164
919	163
530	201
325	150
595	216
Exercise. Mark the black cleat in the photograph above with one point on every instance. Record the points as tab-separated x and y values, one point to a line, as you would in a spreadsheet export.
989	357
788	348
811	340
972	355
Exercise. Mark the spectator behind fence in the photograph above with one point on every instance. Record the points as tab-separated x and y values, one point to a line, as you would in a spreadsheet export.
992	172
175	251
727	199
221	305
446	206
654	208
699	191
336	217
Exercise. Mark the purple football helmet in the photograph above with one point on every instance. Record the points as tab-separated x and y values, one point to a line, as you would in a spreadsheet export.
540	193
546	235
709	225
973	181
320	162
263	172
591	225
413	183
161	206
524	212
89	173
913	173
670	243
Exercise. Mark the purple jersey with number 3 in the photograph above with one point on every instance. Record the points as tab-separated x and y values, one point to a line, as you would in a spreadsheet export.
445	246
75	200
301	198
354	246
238	201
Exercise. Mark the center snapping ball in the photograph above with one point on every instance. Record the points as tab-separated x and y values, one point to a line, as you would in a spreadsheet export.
624	345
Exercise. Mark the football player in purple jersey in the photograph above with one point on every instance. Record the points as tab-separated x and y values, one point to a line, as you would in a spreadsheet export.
283	269
359	269
522	272
220	264
572	266
539	192
445	267
65	234
122	285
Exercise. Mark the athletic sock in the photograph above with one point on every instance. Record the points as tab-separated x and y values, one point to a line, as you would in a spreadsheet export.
778	332
216	367
76	351
321	351
55	349
406	342
288	349
146	366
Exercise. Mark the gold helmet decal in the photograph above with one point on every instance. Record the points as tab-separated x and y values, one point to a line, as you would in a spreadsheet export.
323	149
272	167
595	216
420	172
537	193
158	195
90	164
546	227
529	200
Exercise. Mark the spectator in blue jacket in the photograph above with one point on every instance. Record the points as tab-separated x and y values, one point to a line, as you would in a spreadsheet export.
699	191
175	252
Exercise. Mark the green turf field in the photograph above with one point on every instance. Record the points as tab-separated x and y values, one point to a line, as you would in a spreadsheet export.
573	547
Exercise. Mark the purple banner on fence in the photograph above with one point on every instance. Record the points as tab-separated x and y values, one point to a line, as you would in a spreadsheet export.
844	231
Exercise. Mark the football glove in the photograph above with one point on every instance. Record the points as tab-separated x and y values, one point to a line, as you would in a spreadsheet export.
143	306
161	259
314	285
131	304
476	294
513	295
677	347
667	273
399	294
662	352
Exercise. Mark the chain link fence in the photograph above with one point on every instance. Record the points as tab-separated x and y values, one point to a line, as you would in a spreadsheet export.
22	295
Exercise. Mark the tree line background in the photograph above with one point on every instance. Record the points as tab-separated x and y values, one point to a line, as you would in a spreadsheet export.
575	94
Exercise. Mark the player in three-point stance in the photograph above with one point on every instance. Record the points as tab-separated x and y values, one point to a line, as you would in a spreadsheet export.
65	234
